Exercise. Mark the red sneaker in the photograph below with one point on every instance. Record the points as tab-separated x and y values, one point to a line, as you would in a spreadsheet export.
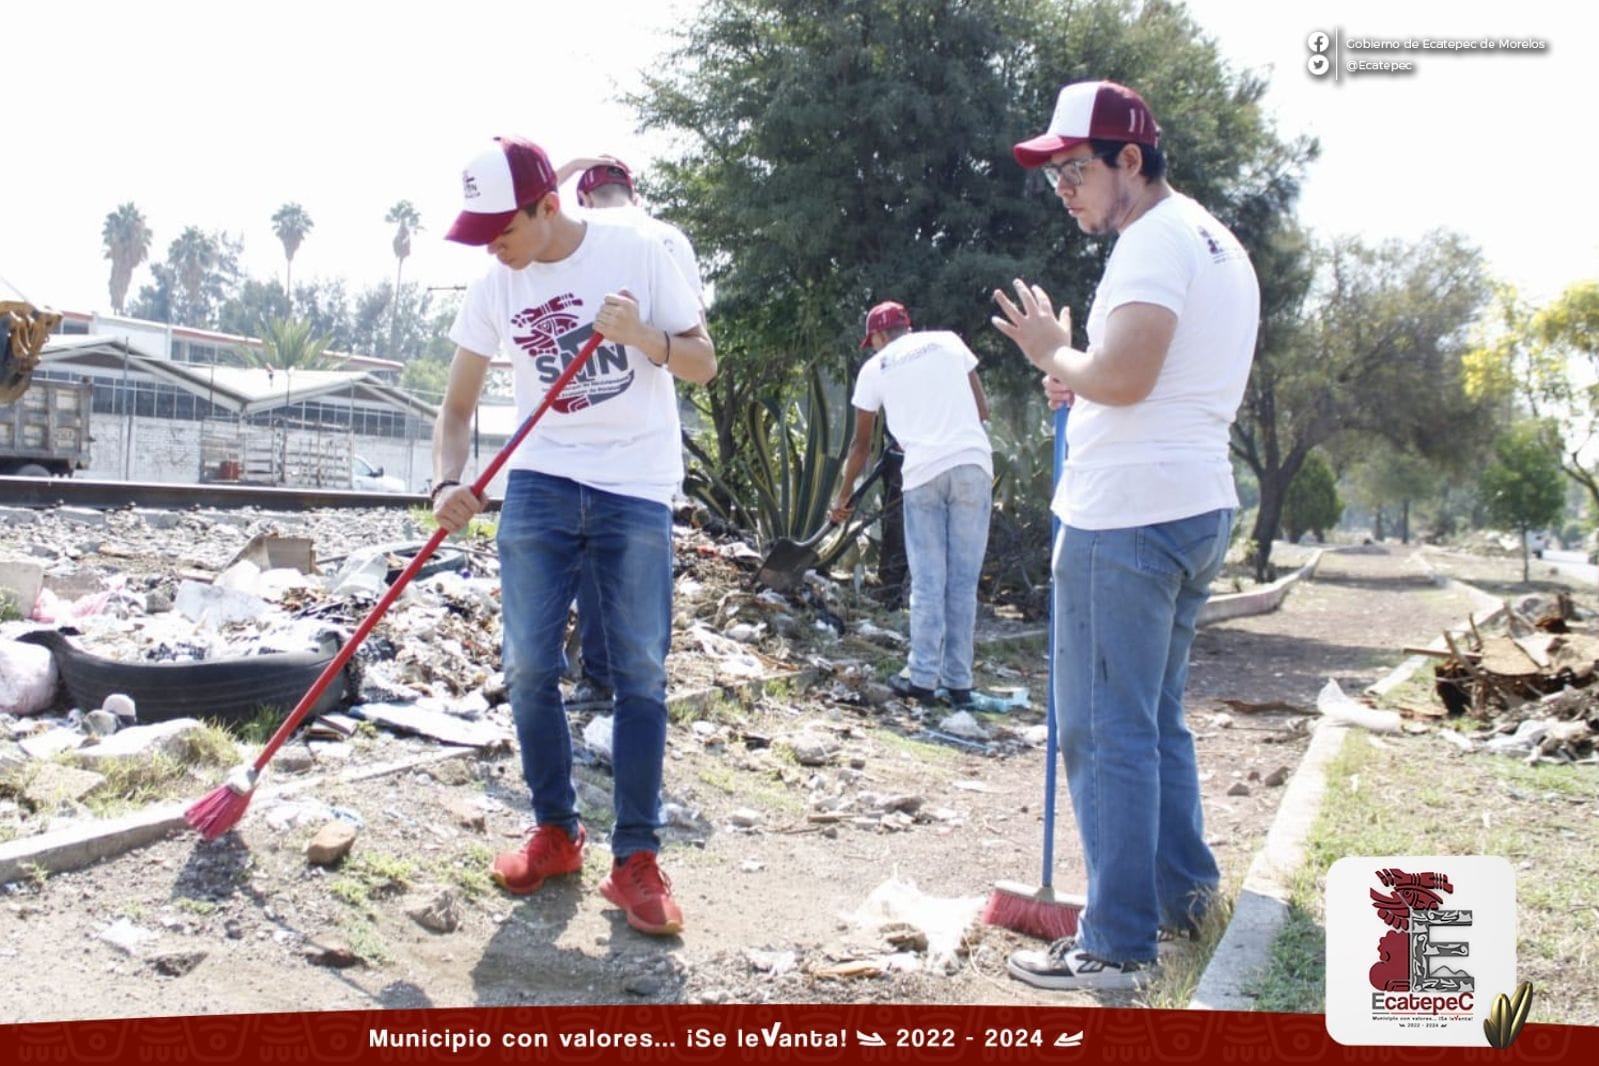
549	852
644	894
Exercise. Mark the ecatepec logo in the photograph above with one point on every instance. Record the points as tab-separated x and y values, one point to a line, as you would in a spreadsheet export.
1417	947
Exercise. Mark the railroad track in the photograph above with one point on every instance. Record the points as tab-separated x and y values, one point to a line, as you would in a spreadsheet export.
37	492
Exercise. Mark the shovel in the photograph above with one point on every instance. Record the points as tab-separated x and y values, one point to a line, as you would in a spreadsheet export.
788	559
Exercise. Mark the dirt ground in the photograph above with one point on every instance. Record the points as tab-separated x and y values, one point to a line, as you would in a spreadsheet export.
769	856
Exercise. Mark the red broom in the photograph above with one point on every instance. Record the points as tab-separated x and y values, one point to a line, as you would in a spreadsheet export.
220	809
1022	908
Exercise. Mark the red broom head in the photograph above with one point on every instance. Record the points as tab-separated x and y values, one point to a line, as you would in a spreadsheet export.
1033	912
220	809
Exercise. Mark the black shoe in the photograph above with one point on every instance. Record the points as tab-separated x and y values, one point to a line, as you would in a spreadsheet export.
1065	966
960	697
902	687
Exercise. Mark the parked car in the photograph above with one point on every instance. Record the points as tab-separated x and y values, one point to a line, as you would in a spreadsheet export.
365	477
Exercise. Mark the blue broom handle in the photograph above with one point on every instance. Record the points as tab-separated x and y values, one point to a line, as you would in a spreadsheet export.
1050	760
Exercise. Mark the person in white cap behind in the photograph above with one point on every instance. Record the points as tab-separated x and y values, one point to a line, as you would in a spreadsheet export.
607	184
925	382
1146	508
588	495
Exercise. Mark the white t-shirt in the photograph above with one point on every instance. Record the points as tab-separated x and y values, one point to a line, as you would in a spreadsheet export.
920	382
1166	457
676	241
615	426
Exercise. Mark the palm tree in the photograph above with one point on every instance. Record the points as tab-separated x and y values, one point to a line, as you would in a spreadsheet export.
287	344
291	224
406	217
127	244
192	256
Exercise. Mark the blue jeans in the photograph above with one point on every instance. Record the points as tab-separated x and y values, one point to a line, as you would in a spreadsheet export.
591	635
1125	605
554	533
946	534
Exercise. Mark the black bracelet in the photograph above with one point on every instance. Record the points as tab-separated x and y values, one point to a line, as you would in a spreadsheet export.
433	497
668	359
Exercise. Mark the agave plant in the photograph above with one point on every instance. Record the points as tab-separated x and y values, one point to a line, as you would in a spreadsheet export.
782	479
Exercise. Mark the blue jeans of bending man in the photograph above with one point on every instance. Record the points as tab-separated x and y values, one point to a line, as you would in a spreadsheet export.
946	535
1126	601
553	534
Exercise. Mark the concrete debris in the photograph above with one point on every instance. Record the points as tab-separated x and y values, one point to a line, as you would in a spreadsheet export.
125	936
52	784
441	914
331	844
962	724
164	738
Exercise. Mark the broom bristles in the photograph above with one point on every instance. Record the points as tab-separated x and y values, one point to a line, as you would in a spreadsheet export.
220	809
1038	912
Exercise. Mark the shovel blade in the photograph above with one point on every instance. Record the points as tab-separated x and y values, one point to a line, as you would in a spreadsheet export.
786	564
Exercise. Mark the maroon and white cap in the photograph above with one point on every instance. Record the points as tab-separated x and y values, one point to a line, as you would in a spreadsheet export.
496	184
612	173
884	317
1091	111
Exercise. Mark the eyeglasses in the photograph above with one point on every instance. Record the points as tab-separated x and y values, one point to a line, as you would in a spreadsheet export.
1071	170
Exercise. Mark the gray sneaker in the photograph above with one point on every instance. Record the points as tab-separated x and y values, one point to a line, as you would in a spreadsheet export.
1064	966
589	695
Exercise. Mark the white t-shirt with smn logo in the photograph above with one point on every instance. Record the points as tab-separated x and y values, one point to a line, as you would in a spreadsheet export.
615	426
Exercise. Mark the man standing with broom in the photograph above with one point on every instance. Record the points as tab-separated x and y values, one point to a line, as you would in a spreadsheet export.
588	496
1146	508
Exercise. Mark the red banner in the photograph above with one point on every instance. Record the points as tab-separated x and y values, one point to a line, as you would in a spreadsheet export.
799	1033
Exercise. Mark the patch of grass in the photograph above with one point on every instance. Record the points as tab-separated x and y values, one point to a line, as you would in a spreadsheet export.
781	690
9	609
35	874
365	941
469	870
211	745
718	708
8	833
722	778
1295	981
1415	796
1181	970
922	750
201	907
370	876
261	725
132	910
133	783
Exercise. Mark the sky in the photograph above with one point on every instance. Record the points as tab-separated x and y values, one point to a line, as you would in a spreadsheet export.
215	115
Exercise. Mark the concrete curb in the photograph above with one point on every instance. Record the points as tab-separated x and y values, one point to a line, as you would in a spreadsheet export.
1258	601
1242	955
80	845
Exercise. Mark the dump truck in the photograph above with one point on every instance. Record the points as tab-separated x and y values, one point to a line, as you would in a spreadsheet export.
44	424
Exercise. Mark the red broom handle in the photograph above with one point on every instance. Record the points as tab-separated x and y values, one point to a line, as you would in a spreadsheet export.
479	487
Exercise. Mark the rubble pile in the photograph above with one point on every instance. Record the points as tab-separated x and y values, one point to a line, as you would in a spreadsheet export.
1530	682
275	594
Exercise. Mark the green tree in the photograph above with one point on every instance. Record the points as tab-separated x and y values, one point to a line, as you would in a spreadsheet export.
287	344
406	220
839	152
291	224
1312	504
127	244
1522	487
196	280
1376	351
